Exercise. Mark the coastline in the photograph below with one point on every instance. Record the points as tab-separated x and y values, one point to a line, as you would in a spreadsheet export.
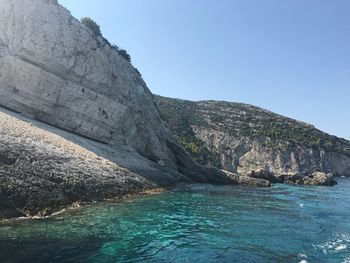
78	205
46	169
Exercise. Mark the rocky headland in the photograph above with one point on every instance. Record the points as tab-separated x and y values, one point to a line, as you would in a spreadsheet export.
79	124
254	142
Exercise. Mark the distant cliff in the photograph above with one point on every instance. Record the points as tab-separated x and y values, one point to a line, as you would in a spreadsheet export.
249	140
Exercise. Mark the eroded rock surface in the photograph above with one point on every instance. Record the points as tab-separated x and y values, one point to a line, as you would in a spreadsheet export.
42	172
56	70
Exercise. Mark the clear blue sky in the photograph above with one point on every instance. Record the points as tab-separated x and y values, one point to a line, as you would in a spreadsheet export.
288	56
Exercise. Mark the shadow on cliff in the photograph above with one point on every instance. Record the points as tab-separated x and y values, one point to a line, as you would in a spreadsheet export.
187	170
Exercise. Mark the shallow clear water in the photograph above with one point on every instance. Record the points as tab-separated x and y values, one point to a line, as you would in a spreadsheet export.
201	223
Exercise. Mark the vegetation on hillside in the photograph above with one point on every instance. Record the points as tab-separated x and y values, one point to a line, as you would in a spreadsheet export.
178	114
95	28
124	54
92	25
242	120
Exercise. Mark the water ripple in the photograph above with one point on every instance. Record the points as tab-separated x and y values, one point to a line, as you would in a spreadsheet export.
198	223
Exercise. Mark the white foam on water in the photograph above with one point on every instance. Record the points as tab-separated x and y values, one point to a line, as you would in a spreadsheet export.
338	243
346	260
304	257
341	247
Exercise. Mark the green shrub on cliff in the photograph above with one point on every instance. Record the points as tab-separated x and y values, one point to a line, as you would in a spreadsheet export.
92	25
124	54
199	152
240	120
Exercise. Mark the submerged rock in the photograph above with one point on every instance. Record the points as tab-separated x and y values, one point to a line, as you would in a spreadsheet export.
266	175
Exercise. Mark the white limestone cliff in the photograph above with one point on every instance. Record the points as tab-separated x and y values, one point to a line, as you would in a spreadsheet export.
54	69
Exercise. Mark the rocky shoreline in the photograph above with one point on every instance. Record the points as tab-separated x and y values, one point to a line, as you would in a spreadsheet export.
44	169
79	205
316	178
41	171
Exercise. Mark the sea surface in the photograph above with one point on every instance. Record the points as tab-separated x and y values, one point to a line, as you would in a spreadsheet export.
197	223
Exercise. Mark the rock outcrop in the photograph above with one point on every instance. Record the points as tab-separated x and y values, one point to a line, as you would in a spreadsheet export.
247	140
44	169
316	178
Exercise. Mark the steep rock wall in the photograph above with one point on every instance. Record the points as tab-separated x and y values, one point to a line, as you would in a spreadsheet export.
54	69
243	155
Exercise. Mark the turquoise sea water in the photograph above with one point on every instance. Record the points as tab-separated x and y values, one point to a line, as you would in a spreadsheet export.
201	223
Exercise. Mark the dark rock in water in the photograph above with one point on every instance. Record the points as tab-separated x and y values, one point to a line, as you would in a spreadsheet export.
292	178
247	180
266	175
316	178
319	178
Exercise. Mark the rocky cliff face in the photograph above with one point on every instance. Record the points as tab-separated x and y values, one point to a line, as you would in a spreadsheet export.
55	70
245	139
44	169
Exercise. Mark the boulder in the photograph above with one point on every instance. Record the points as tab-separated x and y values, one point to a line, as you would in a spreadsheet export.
319	178
266	175
316	178
246	180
